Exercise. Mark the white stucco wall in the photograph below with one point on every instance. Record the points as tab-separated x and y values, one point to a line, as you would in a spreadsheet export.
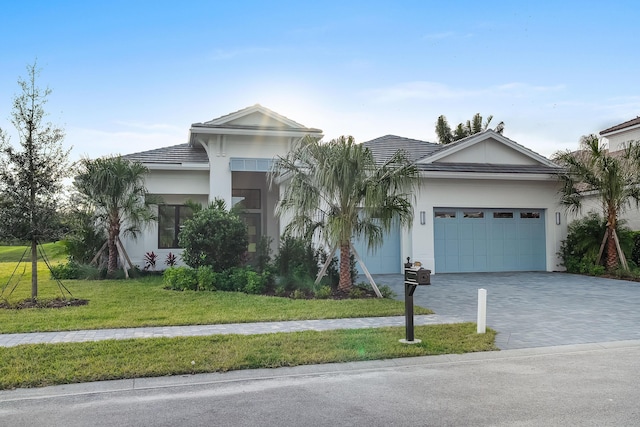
618	139
489	151
485	193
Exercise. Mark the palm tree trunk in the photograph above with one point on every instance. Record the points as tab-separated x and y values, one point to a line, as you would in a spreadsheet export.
612	252
345	267
114	232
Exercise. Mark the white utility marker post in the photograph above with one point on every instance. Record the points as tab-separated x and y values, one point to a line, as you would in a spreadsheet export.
482	311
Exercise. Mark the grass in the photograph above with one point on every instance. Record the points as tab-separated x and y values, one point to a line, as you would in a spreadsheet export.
49	364
54	251
144	302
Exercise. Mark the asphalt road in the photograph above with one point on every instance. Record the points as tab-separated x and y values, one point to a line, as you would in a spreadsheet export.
586	384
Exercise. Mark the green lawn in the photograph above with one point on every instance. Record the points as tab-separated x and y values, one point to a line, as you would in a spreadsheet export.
144	302
48	364
54	251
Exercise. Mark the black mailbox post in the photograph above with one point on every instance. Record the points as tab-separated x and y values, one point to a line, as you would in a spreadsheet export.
414	275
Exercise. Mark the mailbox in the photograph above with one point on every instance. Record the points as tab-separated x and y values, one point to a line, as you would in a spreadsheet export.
416	275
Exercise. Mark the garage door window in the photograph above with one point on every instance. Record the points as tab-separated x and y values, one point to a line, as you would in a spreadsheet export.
529	215
445	214
473	214
503	214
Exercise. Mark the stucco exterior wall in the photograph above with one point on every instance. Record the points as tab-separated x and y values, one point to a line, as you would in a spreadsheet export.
489	151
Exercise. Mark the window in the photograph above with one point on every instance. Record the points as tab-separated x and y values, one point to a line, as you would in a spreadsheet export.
248	199
503	214
474	214
526	215
445	214
170	220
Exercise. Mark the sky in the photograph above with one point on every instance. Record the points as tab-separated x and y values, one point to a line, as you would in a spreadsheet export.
130	76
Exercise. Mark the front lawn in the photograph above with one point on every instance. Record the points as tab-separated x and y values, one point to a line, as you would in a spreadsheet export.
48	364
144	302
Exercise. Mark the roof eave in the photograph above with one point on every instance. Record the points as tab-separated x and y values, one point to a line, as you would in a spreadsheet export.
490	175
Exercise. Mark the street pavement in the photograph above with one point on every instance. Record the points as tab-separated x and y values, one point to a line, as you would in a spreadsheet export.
586	385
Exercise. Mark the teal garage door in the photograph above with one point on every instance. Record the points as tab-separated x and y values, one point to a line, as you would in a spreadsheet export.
385	259
477	240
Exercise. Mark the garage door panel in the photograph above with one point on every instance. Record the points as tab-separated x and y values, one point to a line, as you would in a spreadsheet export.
478	240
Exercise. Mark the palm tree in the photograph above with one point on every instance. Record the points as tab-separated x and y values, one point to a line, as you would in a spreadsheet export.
338	191
463	130
611	177
114	187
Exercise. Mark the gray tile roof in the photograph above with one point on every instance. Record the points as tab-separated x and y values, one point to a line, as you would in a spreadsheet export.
176	154
621	126
385	147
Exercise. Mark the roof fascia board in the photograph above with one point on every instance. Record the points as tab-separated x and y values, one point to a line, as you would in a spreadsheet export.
627	129
177	166
489	175
252	132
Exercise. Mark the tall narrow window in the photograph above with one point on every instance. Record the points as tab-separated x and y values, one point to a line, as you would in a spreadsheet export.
170	221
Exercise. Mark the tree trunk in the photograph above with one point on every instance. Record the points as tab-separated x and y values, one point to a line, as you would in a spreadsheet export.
114	232
34	269
612	252
345	268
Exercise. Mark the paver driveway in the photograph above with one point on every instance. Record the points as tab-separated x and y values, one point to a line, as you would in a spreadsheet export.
535	309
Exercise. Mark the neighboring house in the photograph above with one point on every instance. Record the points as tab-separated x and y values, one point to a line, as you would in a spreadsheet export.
485	203
617	137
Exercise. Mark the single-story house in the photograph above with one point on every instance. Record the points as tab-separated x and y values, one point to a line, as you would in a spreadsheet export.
485	203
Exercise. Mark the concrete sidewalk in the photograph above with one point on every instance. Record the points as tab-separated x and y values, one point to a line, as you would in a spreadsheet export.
10	340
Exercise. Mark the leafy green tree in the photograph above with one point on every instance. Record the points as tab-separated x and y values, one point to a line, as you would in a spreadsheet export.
614	179
463	130
114	189
31	178
337	190
214	237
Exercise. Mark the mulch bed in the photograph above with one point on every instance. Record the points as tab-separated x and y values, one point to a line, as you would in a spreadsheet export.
53	303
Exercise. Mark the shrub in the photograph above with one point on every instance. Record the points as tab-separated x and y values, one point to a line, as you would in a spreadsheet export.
171	260
296	263
206	278
214	237
150	260
385	290
181	278
580	250
324	292
69	270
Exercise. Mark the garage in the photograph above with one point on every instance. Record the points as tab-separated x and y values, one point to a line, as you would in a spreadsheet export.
489	240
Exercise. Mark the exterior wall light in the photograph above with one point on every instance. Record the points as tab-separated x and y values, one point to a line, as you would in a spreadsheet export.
557	218
423	217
